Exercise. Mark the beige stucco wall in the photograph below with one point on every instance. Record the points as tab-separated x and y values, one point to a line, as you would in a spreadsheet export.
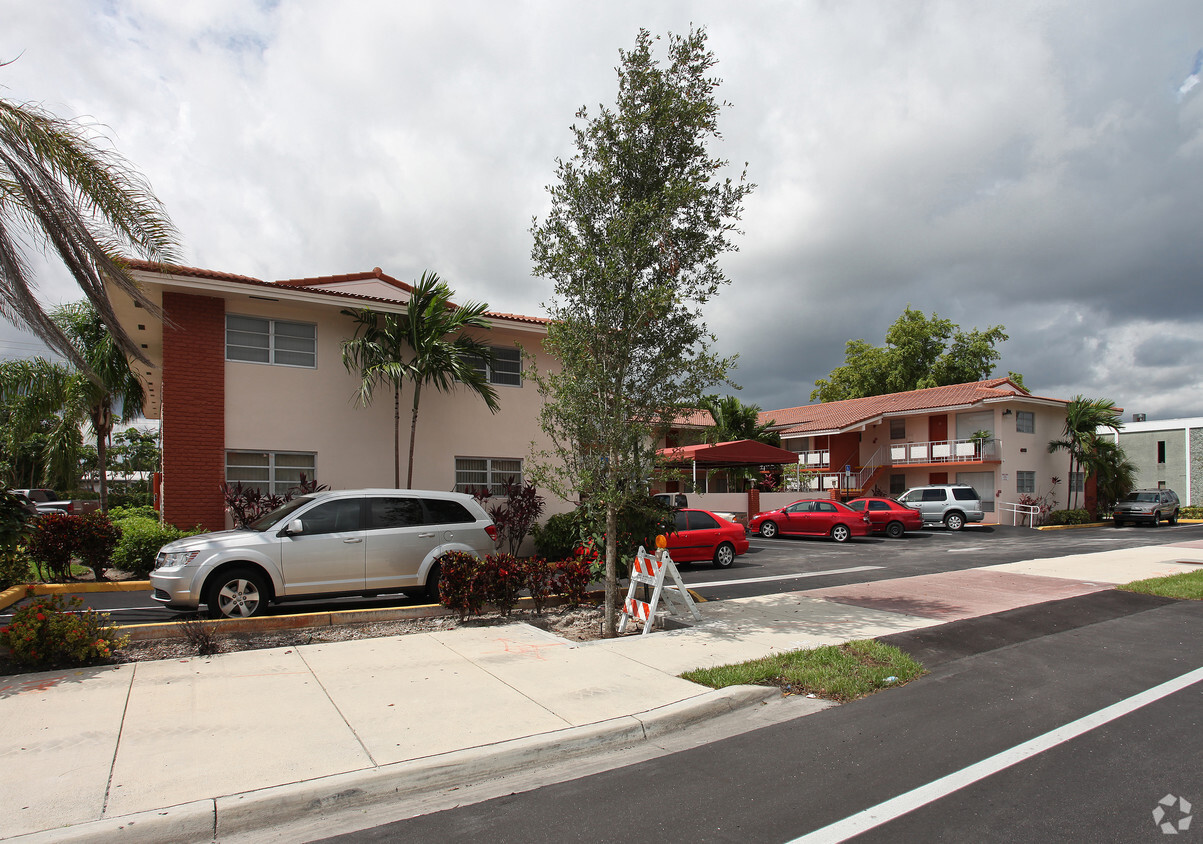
279	408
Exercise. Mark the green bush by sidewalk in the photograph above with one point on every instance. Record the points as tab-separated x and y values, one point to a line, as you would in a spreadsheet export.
141	539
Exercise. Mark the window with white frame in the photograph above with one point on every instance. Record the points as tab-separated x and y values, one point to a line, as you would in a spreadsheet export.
271	341
1025	422
491	473
272	472
1025	482
505	368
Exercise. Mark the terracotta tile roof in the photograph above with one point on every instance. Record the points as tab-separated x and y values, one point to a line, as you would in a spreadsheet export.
321	281
852	413
315	285
694	419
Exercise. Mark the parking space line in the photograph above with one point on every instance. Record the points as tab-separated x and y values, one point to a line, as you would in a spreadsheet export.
706	583
916	798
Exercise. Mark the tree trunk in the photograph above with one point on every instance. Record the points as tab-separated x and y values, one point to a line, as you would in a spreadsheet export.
611	570
397	437
413	433
102	470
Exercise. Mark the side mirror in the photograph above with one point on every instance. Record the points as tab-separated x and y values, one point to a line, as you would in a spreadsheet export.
294	527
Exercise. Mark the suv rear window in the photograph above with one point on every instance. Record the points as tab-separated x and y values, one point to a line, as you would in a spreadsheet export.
441	512
961	494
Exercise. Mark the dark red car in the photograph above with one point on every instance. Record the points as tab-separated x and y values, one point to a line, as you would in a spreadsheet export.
702	535
812	517
888	516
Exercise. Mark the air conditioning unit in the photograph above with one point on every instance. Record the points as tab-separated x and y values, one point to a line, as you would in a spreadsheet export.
1139	417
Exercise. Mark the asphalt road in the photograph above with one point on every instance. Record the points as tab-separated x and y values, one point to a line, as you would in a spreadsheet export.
785	564
988	747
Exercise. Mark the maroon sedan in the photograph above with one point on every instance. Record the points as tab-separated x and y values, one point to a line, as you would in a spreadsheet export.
888	516
812	517
702	535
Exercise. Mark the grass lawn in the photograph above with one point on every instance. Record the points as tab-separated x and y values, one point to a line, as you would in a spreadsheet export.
836	672
1187	584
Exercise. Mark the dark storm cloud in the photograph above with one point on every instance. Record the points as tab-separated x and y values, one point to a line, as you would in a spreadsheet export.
1028	164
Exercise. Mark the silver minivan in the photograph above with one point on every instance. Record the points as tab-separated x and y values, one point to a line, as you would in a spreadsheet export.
950	504
348	542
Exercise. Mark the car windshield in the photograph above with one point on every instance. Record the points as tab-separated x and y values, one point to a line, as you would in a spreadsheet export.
280	514
1142	497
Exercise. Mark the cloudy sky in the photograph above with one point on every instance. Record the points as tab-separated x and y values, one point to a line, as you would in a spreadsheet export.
1029	163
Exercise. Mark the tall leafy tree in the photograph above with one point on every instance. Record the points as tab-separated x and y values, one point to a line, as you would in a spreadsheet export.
104	390
418	347
42	433
639	218
920	351
61	191
1083	419
1114	471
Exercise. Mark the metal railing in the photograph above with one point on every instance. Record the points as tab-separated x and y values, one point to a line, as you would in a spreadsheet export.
1022	515
942	451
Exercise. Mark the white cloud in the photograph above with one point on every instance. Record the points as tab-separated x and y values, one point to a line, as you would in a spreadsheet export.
1025	163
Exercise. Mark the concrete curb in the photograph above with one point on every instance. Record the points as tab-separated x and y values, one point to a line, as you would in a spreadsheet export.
251	811
13	594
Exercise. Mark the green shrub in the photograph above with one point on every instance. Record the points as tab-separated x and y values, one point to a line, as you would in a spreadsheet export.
559	537
14	569
1193	511
95	540
54	539
460	587
53	632
141	539
501	577
145	511
570	580
538	575
1069	517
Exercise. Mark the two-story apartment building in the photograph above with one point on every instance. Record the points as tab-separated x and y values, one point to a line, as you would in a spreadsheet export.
249	384
991	434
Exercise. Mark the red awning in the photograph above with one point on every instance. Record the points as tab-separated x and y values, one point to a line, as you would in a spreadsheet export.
734	453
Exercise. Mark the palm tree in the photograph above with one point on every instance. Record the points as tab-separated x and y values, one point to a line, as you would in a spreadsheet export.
61	193
734	420
417	346
104	391
41	440
1083	419
1115	474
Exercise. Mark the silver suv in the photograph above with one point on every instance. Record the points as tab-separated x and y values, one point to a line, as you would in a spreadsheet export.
350	542
1147	505
950	504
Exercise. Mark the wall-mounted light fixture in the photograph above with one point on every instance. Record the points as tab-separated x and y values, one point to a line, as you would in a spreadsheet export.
1007	412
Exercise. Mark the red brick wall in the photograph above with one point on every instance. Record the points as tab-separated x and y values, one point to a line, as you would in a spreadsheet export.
194	411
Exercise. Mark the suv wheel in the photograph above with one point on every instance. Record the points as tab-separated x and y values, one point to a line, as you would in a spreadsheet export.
237	593
954	521
1173	519
1156	518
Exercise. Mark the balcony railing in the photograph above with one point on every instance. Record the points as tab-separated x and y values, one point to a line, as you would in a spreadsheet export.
942	451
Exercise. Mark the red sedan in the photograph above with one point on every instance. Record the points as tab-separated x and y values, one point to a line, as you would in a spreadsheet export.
702	535
888	516
812	517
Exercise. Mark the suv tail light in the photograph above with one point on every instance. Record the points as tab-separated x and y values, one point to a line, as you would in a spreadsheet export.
491	530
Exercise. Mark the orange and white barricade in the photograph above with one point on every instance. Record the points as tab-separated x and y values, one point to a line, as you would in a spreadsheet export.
650	570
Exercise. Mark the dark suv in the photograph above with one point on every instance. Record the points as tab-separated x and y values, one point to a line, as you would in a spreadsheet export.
952	504
1147	505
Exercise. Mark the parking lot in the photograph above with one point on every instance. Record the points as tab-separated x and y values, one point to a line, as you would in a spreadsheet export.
785	564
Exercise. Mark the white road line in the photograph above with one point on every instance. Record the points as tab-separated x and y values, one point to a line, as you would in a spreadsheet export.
896	807
780	577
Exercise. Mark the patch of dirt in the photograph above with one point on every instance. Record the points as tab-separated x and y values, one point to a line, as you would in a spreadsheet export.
578	624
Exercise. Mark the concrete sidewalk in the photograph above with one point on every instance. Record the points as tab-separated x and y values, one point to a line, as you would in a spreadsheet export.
178	749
